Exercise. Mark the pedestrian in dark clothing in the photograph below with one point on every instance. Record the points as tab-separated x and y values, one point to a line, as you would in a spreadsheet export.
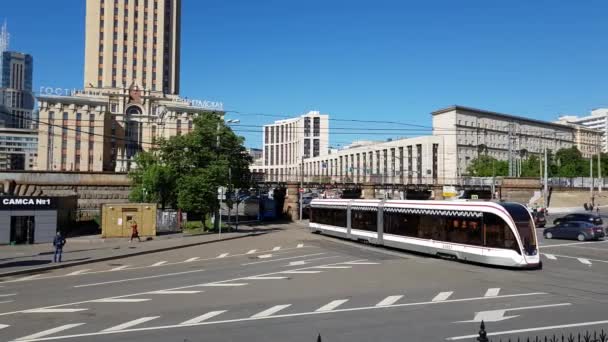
58	243
134	232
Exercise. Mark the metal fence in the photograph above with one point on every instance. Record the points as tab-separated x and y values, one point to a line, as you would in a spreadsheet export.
577	182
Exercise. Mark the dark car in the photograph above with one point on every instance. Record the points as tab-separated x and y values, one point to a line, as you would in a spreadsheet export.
540	220
596	220
581	231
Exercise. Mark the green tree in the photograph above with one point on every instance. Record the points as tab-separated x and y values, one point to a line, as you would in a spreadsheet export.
530	167
570	163
486	166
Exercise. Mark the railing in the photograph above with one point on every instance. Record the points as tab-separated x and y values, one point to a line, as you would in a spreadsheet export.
577	182
376	179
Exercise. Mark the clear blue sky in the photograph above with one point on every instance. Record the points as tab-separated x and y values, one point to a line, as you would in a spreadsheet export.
366	60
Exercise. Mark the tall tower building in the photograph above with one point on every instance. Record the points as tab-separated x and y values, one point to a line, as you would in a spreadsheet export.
133	42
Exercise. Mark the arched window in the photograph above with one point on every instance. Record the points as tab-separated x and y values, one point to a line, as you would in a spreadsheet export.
133	110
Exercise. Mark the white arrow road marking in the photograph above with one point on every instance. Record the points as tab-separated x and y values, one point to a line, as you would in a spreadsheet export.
264	256
584	261
223	255
158	263
276	248
119	268
550	256
49	332
272	310
192	259
8	295
120	300
332	305
499	315
140	278
301	272
203	318
493	292
78	272
390	300
51	310
252	251
442	296
224	284
265	278
169	292
300	245
132	323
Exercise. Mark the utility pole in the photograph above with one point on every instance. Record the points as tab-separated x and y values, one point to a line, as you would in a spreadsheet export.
591	175
599	170
301	189
546	187
217	223
510	151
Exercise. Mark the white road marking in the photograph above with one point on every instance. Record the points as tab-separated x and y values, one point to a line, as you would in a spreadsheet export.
362	263
203	318
297	263
302	272
589	259
252	251
49	332
119	268
29	277
2	326
584	261
499	315
6	301
493	292
281	259
158	263
140	278
78	272
264	256
334	267
302	314
300	245
517	331
169	292
224	284
192	259
572	244
390	300
223	255
120	300
550	256
132	323
53	310
272	310
265	278
332	305
8	295
276	248
442	296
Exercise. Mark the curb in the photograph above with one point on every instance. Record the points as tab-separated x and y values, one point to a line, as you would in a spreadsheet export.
114	257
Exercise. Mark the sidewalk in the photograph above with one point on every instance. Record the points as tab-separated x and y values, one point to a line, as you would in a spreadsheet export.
25	259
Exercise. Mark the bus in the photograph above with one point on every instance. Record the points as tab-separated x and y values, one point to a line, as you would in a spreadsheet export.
491	233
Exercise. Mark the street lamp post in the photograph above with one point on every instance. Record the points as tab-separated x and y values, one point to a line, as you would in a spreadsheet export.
219	212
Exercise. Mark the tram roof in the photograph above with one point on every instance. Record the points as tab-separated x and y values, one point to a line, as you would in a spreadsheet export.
460	205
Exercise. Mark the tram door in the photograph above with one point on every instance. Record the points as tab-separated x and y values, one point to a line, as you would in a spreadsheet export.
22	229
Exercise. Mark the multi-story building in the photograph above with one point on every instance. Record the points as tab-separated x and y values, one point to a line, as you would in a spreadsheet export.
133	42
131	81
287	142
469	132
16	96
403	161
598	120
18	148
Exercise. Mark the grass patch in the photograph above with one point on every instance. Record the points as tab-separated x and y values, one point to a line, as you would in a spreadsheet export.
196	227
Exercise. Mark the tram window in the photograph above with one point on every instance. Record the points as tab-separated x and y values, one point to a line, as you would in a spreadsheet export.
464	230
332	217
401	224
524	225
364	220
498	234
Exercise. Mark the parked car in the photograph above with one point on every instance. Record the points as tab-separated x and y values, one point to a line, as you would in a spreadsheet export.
540	220
580	217
581	231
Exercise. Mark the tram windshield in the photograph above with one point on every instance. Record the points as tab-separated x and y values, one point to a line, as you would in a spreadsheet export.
525	226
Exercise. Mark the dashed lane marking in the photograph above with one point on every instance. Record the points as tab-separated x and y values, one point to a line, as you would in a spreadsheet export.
550	256
224	284
2	326
251	251
584	261
333	267
270	314
281	259
119	268
6	301
361	263
271	311
390	300
264	256
571	244
203	318
120	300
444	295
68	310
493	292
300	245
29	277
265	278
78	272
332	305
139	278
302	272
158	263
276	248
223	255
578	258
192	259
130	324
169	292
8	295
49	331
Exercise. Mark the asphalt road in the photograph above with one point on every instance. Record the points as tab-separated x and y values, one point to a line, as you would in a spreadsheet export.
292	285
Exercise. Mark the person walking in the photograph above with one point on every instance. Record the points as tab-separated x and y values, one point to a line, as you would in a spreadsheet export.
58	243
134	232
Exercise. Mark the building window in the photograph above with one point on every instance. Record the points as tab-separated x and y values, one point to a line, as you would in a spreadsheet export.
316	129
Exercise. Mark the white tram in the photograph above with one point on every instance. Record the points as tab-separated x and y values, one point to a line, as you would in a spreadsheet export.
484	232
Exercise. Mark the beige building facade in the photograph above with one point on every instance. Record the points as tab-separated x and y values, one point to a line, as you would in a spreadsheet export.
133	42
